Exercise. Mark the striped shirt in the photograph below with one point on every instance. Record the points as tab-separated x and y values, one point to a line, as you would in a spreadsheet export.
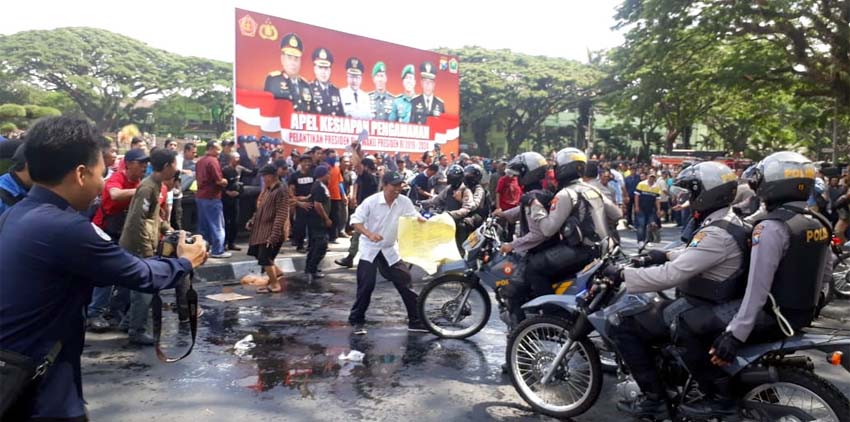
271	215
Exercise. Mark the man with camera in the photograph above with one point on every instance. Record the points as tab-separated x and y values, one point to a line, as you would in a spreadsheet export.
52	257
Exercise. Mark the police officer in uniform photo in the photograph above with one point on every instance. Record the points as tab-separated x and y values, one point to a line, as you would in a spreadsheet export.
325	96
382	100
403	104
355	101
288	85
427	105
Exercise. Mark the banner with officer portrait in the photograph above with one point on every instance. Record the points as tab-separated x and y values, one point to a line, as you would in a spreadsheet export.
310	86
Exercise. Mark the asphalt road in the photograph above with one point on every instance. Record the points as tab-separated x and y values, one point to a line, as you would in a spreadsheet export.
293	371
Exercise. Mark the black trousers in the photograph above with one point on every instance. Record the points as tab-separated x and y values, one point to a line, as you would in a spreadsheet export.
635	337
554	263
177	214
299	227
230	206
367	273
336	219
318	249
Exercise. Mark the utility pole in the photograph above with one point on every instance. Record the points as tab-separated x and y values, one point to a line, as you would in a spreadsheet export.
835	131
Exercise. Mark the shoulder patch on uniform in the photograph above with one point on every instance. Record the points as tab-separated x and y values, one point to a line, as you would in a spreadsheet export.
146	206
100	233
275	73
757	234
696	239
553	204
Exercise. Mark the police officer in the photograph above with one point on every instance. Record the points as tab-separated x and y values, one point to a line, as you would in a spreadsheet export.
402	105
710	274
381	99
790	247
427	105
529	168
288	85
456	200
53	256
579	212
481	204
324	95
355	101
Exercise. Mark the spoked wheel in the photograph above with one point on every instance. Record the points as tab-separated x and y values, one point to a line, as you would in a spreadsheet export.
577	380
453	307
841	277
800	389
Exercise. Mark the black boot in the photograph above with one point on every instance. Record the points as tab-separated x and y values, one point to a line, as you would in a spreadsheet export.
346	262
645	406
719	407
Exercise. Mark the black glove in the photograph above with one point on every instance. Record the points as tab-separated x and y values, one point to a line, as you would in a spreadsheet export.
726	346
613	273
656	257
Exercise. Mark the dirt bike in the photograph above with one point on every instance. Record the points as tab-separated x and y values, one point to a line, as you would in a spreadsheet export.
455	303
556	368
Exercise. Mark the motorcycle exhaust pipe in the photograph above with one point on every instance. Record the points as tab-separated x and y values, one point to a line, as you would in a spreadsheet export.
759	375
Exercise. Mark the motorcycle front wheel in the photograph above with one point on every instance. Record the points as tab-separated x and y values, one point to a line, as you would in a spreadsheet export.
577	381
453	307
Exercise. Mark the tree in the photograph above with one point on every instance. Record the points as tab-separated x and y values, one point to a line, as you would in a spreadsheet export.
104	73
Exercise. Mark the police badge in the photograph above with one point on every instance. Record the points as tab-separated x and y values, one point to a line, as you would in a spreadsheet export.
335	100
305	94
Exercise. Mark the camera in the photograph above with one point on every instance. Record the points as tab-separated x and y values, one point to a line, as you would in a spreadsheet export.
168	245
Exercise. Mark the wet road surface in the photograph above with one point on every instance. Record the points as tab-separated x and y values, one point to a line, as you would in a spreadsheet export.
292	370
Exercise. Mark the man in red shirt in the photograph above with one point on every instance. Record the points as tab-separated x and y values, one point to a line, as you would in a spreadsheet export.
118	191
211	183
508	193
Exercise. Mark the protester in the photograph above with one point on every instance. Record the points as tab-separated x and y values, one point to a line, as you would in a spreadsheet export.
300	185
267	228
376	219
508	193
211	182
319	223
15	184
230	200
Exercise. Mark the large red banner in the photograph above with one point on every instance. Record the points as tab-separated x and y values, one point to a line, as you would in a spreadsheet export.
310	86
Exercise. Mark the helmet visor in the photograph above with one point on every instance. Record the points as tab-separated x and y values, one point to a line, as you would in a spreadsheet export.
679	195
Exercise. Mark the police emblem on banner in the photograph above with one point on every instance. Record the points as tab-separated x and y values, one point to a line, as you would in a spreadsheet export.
248	26
453	66
268	31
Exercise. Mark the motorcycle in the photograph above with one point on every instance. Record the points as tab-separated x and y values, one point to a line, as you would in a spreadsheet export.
839	284
557	371
455	303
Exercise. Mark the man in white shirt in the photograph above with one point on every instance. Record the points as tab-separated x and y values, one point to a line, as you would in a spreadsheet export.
355	101
376	219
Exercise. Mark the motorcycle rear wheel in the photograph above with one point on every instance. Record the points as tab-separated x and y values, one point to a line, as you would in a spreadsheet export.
577	381
804	390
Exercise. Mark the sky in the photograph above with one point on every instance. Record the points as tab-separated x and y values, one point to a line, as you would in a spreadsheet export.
557	28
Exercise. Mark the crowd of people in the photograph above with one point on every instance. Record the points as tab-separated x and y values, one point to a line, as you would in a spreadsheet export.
555	211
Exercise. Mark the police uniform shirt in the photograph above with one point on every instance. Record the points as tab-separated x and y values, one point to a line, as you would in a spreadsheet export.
297	91
401	109
712	254
440	201
530	240
326	99
356	103
561	207
382	105
52	257
424	107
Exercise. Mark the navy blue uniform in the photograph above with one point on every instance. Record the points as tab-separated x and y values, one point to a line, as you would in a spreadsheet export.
51	258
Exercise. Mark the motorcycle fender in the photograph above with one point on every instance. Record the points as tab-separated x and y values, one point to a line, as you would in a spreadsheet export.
565	303
449	268
806	341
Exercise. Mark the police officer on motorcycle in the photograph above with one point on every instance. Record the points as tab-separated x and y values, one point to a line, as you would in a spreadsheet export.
579	213
790	247
529	169
456	200
709	272
472	175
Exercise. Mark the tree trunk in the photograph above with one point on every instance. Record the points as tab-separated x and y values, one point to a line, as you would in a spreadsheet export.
669	139
479	135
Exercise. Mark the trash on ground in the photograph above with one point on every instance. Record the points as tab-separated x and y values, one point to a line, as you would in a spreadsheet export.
227	297
354	356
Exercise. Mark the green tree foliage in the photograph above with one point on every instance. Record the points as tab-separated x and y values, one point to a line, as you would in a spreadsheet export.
103	73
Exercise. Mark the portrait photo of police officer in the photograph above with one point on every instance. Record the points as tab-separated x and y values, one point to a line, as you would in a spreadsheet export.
355	101
403	104
427	105
325	96
288	84
382	100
